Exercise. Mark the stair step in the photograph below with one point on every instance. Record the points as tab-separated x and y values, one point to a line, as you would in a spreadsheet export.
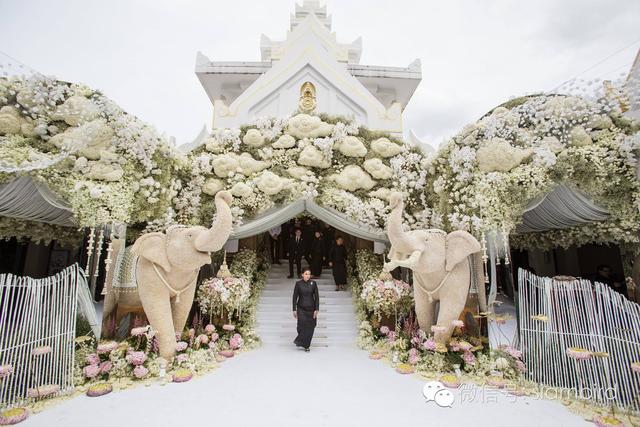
284	316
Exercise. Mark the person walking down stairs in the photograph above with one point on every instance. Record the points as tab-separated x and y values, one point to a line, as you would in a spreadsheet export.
306	305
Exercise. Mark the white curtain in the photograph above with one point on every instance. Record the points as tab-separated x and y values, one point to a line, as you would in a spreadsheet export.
278	215
563	207
28	199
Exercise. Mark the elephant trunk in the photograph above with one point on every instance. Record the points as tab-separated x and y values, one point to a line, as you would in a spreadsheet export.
479	273
397	236
215	237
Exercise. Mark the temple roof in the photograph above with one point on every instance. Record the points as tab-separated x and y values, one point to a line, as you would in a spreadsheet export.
227	80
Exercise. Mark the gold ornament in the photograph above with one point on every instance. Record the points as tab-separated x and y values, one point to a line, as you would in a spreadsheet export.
307	101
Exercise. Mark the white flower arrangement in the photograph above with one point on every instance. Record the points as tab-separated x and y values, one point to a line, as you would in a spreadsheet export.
377	168
385	148
386	296
218	295
351	146
306	126
311	156
285	141
353	178
270	183
253	138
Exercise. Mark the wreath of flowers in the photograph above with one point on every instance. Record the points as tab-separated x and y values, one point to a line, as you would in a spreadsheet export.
108	165
485	176
387	296
221	295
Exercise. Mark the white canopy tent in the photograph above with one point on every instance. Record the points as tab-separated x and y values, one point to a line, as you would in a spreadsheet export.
561	208
280	214
27	199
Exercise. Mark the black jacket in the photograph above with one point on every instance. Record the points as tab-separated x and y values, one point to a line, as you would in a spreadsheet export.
306	296
296	250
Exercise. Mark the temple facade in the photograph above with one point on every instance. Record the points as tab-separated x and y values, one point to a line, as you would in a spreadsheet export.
308	71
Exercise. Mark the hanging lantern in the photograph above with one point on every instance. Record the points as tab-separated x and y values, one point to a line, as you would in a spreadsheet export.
485	258
505	241
108	261
89	250
99	251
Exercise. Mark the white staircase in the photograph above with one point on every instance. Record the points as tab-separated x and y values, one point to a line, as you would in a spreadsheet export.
336	326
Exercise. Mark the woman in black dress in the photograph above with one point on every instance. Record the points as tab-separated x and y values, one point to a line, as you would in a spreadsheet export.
317	255
338	263
306	305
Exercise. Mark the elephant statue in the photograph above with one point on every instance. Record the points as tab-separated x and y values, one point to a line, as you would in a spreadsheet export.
440	266
166	271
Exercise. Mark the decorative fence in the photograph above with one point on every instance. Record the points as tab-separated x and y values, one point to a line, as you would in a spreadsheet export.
555	315
37	332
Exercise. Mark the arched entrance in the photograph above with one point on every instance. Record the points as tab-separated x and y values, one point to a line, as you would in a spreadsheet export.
254	234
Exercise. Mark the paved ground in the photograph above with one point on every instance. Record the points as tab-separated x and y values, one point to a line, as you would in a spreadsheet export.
281	385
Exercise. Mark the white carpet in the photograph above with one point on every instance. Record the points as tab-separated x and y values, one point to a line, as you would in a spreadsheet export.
335	384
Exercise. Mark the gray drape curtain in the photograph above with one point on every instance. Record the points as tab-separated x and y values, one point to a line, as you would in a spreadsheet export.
278	215
28	199
561	208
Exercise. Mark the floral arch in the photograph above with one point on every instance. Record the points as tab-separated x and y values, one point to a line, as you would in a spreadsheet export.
108	167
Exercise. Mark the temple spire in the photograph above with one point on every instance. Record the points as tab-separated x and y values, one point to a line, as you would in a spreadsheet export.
309	7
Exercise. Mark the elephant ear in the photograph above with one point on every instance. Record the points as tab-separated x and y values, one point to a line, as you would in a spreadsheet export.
460	244
152	247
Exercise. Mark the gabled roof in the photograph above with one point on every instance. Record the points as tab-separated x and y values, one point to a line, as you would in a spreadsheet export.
226	81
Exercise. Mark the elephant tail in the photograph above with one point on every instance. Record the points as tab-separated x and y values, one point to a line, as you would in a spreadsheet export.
478	267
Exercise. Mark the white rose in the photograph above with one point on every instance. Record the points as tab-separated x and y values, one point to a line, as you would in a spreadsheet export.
270	183
599	121
579	137
381	193
27	97
385	148
351	146
248	165
285	141
299	172
213	145
378	169
81	164
105	172
240	189
510	118
10	120
95	193
306	126
212	186
353	178
497	155
311	156
89	139
225	165
75	110
253	138
552	143
566	107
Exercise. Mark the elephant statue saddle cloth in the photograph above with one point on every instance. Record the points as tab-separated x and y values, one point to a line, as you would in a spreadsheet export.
124	279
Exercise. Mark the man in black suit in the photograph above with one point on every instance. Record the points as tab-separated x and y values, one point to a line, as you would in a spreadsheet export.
295	251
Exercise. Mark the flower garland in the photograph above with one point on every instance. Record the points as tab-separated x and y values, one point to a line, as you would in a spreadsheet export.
484	177
108	165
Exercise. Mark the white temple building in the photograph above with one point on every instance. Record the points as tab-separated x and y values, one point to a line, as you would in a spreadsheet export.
375	96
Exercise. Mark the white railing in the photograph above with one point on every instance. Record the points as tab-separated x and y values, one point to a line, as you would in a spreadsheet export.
38	313
555	315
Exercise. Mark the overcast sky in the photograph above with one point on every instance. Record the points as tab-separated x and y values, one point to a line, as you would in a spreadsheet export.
475	54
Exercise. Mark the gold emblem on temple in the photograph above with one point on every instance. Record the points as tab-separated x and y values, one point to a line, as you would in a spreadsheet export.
307	98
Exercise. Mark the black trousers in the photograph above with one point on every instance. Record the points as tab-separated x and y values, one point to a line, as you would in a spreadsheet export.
306	326
274	249
298	262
